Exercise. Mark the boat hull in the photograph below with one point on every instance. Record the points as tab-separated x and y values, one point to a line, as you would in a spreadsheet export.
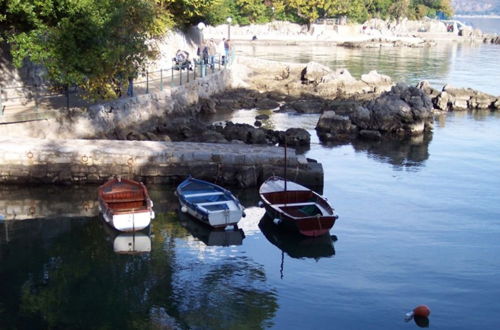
129	222
125	205
299	209
311	226
209	203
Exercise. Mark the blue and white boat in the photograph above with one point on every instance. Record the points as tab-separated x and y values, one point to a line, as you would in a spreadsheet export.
209	203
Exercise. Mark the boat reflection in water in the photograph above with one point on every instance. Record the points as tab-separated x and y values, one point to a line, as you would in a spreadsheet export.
296	245
132	243
210	236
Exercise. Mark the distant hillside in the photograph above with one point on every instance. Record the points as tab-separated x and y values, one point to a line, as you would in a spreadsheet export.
476	7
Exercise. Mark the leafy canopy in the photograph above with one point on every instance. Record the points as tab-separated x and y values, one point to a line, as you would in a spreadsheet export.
91	43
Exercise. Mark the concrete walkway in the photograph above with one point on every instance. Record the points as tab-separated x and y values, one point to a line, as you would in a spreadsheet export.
94	161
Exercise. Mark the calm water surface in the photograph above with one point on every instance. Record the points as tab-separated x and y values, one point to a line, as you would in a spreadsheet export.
485	24
419	224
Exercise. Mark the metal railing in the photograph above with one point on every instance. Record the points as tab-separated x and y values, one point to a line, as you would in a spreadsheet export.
31	99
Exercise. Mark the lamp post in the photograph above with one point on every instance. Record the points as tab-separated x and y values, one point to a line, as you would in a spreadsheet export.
229	20
201	26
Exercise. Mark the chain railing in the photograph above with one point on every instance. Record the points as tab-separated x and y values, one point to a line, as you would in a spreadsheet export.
29	100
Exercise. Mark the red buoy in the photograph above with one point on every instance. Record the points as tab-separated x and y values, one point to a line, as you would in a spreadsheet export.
422	311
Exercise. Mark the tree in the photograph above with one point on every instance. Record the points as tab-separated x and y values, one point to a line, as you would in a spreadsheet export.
399	8
94	44
378	8
189	12
252	11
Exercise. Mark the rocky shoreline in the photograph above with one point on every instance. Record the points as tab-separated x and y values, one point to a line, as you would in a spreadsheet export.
372	33
373	107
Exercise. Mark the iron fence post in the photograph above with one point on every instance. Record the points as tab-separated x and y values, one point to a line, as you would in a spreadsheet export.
147	82
180	77
172	79
1	105
67	97
36	98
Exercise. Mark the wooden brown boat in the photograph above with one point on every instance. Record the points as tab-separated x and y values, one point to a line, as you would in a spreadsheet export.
296	208
125	204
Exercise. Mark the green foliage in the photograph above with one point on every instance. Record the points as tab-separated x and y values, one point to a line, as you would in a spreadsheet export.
252	11
220	11
422	8
95	44
189	12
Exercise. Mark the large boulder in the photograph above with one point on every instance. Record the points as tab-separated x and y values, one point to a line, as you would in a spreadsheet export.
297	137
266	104
403	111
340	75
245	133
308	106
207	106
375	78
331	126
181	128
314	73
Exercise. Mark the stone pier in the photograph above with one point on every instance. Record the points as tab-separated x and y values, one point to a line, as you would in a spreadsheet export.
30	160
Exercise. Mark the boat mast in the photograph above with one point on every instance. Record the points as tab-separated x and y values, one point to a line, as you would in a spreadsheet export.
286	165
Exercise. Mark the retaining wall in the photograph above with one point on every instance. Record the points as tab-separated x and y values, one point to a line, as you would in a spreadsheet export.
94	161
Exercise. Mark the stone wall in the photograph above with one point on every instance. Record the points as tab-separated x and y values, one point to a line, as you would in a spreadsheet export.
94	161
137	112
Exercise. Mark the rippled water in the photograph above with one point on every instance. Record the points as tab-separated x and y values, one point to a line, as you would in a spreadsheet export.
419	224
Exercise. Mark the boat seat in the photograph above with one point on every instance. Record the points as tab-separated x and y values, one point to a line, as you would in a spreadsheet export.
123	196
212	203
127	206
215	193
295	204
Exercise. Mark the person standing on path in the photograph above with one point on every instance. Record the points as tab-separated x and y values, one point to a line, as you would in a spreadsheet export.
227	50
203	57
221	50
212	50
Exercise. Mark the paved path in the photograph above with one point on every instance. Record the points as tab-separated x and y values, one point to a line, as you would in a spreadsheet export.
34	105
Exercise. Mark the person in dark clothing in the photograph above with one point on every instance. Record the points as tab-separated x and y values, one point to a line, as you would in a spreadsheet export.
182	60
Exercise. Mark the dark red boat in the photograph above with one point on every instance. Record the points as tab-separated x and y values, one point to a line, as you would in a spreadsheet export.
296	208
